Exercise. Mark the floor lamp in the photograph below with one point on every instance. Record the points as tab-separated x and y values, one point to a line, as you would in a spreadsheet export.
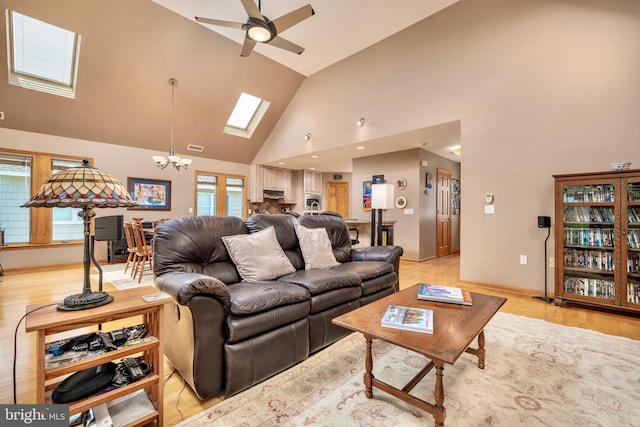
381	199
87	188
545	222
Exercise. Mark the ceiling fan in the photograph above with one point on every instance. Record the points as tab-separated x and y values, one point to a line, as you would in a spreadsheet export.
260	29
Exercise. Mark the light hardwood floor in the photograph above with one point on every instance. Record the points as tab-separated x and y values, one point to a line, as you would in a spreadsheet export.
18	289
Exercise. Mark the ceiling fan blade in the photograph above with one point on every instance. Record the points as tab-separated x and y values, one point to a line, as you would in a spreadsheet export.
292	18
248	46
278	41
236	25
252	9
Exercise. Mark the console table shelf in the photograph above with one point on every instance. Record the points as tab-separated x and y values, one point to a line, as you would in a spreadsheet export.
127	306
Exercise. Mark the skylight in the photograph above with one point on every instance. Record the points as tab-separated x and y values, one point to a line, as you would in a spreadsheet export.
43	56
246	115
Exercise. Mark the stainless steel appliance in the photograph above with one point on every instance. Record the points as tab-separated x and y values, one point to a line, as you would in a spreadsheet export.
311	202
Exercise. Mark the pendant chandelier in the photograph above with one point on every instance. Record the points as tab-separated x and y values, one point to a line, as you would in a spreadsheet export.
177	162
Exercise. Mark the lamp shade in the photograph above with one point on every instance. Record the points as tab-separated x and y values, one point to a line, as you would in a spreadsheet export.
79	187
382	196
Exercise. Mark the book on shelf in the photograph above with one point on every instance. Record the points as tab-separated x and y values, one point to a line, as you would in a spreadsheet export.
408	319
448	294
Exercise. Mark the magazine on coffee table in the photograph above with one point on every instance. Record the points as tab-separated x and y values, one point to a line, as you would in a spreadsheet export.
447	294
408	319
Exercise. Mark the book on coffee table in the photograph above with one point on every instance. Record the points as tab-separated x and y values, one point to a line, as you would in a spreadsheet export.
408	319
447	294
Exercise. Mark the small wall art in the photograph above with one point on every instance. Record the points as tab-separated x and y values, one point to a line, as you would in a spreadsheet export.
150	194
455	197
401	183
366	195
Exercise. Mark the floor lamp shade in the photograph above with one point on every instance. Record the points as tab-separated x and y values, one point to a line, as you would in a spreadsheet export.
382	196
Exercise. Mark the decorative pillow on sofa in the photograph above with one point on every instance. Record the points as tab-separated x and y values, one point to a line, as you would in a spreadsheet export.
316	247
258	256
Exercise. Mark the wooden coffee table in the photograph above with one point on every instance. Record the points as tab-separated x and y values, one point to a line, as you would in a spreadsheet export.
455	327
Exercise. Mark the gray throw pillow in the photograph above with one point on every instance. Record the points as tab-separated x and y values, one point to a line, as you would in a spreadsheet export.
316	247
258	256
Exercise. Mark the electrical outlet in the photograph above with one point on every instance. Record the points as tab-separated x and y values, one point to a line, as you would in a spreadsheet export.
523	259
552	262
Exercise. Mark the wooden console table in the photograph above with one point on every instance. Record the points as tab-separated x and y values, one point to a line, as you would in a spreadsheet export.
127	304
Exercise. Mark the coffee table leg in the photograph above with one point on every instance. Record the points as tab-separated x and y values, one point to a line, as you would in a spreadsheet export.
368	365
439	411
480	353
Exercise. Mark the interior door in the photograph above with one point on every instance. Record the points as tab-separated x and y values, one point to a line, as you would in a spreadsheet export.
338	198
443	220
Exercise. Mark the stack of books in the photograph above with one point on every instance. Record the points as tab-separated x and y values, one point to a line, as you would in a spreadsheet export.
408	319
447	294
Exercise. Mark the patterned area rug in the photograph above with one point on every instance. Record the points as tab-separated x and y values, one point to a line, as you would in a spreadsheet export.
114	274
537	374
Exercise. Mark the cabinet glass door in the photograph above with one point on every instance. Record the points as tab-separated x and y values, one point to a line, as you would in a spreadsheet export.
633	242
589	237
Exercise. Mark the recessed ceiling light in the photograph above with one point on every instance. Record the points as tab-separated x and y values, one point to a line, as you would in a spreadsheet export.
314	157
360	147
312	169
281	163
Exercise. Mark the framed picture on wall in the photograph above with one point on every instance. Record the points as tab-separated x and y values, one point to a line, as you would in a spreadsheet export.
366	195
455	196
150	194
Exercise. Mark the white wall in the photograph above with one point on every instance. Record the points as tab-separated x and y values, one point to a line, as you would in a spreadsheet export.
121	162
540	87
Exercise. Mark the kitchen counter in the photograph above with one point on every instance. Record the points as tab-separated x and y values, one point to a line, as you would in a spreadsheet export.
363	226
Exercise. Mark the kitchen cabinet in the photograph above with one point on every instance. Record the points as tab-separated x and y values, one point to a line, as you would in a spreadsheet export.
312	182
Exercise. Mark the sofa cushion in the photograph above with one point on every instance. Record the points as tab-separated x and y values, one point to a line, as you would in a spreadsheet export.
258	256
285	232
261	306
336	229
316	247
366	270
255	297
318	281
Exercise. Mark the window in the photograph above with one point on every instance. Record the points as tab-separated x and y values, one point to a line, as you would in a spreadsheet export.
222	200
15	189
43	57
246	115
206	198
20	172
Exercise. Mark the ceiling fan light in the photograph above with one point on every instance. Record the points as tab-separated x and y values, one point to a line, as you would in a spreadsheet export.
259	31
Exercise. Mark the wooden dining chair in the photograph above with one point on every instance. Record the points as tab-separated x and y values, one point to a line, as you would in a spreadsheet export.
144	252
132	249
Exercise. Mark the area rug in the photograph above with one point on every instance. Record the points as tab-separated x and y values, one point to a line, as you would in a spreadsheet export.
115	275
537	374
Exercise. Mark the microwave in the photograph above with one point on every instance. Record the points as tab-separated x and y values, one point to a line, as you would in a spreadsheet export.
311	202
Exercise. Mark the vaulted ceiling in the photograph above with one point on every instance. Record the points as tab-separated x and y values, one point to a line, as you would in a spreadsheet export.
130	50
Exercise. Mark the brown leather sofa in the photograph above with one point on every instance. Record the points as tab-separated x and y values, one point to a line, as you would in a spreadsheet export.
224	334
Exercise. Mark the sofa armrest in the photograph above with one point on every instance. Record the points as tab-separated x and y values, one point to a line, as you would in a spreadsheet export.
390	254
184	286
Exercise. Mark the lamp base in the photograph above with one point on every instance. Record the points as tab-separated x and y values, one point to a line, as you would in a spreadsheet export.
545	298
84	301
